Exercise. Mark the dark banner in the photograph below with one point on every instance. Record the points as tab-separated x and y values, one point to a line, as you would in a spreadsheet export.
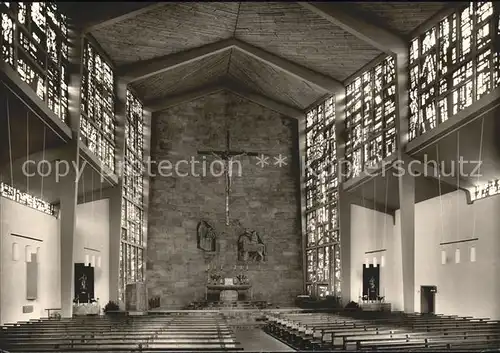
84	283
371	282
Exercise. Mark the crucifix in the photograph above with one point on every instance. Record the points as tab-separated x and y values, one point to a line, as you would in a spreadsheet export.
227	156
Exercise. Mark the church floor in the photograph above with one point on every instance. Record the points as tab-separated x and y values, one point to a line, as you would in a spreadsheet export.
257	340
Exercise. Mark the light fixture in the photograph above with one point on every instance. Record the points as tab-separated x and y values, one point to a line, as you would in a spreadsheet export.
92	261
374	261
98	264
472	254
382	261
27	253
457	256
15	252
443	257
87	259
367	262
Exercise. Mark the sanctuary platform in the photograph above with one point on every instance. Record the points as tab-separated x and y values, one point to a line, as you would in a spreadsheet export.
239	318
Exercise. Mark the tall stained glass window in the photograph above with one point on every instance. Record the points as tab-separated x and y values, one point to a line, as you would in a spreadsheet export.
322	231
371	117
26	199
133	221
34	42
452	65
97	122
489	189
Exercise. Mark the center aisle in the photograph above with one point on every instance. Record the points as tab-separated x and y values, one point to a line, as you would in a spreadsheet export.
257	340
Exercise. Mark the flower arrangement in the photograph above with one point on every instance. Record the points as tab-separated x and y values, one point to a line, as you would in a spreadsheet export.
215	277
242	278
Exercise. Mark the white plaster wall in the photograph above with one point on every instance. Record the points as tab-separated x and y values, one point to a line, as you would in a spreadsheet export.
370	231
92	233
467	288
18	219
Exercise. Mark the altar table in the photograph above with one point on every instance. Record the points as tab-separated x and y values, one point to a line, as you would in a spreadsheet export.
375	306
228	292
86	309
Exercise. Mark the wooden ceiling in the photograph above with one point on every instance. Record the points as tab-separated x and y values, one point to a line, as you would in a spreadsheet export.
401	17
184	78
288	31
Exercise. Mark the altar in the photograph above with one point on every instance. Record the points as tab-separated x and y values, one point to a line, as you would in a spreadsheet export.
375	306
228	292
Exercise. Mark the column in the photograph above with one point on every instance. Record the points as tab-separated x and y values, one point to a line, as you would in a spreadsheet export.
406	186
115	200
68	185
148	116
344	204
301	124
68	188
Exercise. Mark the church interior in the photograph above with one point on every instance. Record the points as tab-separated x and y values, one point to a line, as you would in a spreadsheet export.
249	176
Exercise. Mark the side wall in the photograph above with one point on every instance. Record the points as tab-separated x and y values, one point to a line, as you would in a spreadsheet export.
465	288
373	231
92	239
18	220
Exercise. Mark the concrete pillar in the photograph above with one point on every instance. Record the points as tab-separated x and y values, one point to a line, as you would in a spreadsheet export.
115	200
68	185
148	120
115	207
302	156
407	223
344	204
68	188
406	185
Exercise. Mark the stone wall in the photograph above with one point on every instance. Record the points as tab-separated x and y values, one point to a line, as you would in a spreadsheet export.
262	199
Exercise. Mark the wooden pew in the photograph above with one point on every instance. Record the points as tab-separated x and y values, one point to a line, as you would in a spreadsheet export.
121	333
423	331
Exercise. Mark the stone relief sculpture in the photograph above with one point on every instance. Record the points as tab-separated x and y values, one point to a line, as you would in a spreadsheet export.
206	236
251	247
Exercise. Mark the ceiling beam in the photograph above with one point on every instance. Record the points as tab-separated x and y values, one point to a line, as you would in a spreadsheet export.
323	82
147	68
380	38
279	107
124	16
419	168
159	104
143	69
371	204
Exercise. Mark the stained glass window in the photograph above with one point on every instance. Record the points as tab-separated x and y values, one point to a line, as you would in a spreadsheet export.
132	234
26	199
452	65
489	189
322	230
97	122
34	43
371	117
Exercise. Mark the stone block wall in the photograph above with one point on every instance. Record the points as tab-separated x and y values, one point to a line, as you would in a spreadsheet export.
262	199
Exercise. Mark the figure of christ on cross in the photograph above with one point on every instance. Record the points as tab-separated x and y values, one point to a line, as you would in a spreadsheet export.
227	156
